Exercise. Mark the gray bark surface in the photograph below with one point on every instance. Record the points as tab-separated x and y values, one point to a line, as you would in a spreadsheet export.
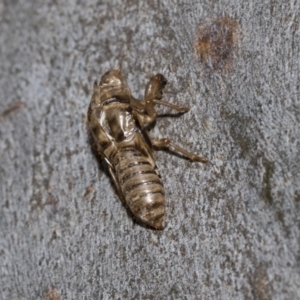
232	225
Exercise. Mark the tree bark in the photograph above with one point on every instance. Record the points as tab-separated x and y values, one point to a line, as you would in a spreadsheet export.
232	225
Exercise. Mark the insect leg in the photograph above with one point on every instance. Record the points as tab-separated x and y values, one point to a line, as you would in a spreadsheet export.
154	93
145	110
180	109
148	115
165	143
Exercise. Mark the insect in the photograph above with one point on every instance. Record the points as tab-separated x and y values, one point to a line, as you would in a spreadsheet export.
119	125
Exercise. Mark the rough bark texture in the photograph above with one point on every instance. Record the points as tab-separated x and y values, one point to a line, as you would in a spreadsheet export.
232	225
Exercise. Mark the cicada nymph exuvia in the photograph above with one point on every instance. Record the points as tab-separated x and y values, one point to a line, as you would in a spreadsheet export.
118	123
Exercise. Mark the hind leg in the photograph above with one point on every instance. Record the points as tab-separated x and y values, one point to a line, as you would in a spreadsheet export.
165	143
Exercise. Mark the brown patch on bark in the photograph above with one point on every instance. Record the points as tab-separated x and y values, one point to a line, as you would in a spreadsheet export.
52	294
260	283
88	192
216	42
11	109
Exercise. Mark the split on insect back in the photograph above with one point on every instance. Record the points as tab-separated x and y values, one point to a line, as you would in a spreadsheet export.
119	125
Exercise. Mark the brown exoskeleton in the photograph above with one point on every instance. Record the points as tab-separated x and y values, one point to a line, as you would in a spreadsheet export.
118	123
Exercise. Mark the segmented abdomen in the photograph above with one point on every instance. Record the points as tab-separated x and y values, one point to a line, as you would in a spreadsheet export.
141	186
